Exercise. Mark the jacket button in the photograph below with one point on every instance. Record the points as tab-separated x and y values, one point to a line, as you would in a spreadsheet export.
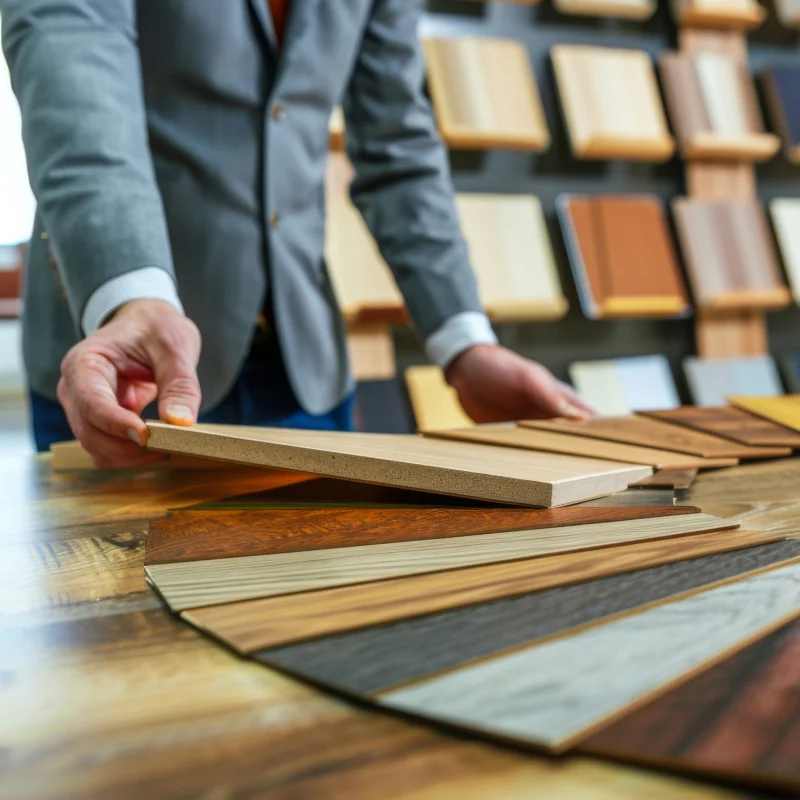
278	112
274	219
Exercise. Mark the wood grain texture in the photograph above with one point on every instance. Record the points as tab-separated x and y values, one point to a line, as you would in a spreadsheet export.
434	402
784	410
712	380
739	720
618	9
510	435
731	334
203	583
411	462
253	625
378	658
202	535
740	15
667	479
484	93
730	423
554	694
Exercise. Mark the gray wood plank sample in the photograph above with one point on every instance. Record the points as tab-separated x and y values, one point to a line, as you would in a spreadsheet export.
376	658
553	694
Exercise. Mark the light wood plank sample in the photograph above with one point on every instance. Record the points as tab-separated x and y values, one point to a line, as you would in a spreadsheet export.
370	350
253	625
554	694
667	479
410	462
730	256
782	410
484	93
512	256
452	639
728	14
510	435
712	380
619	9
204	583
611	103
785	213
622	256
435	404
655	433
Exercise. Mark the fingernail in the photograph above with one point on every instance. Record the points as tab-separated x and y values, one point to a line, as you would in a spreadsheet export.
180	415
135	437
567	409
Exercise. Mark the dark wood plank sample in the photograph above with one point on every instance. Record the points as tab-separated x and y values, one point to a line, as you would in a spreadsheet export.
377	658
730	423
740	720
667	479
200	535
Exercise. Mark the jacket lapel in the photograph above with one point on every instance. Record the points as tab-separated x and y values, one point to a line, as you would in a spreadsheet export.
261	11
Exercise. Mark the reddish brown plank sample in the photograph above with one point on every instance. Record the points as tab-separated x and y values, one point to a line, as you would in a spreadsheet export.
201	535
739	720
667	479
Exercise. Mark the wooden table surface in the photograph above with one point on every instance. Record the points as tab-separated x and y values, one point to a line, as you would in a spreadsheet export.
105	694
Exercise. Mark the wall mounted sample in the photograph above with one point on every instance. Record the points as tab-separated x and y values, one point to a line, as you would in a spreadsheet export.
781	90
619	9
785	213
410	462
730	255
611	103
434	402
712	380
782	410
622	256
512	256
714	109
788	12
724	14
623	385
484	94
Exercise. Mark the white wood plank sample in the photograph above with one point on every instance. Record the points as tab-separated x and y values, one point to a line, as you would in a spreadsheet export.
785	212
719	84
553	694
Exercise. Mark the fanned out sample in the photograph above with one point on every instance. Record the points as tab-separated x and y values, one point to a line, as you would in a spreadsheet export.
712	380
785	213
781	90
781	410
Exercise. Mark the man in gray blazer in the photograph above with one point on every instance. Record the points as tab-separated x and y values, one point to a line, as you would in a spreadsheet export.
176	149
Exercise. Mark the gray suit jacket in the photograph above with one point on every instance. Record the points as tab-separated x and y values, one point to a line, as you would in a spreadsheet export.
172	133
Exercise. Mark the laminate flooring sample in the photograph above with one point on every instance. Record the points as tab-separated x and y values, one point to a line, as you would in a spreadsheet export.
274	621
667	479
785	213
740	720
618	9
725	14
611	103
484	94
510	435
730	423
378	658
554	694
434	402
622	256
781	410
512	256
781	90
712	380
410	462
226	580
730	255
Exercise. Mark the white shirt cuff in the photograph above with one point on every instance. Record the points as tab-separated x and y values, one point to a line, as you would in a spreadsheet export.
459	333
148	283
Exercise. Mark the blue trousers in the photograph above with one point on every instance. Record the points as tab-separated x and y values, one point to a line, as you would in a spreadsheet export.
261	396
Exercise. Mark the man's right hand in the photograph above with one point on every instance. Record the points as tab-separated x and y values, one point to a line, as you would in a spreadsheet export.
148	349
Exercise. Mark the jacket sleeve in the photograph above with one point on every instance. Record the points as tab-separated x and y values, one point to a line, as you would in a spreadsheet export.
402	183
75	70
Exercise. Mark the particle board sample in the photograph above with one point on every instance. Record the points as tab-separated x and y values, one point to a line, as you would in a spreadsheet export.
781	410
484	94
410	462
203	583
655	433
619	9
781	90
553	695
410	650
667	479
730	423
623	385
510	435
712	380
274	621
740	720
612	104
622	256
512	256
728	14
434	402
730	255
785	213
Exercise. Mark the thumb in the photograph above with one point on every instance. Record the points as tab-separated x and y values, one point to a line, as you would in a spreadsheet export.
178	391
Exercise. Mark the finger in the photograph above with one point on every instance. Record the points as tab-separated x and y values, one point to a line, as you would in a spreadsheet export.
175	369
575	399
110	452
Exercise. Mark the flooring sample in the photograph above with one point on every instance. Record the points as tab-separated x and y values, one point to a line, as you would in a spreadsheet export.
622	256
203	583
410	462
484	94
781	89
619	9
274	621
434	402
740	720
511	435
382	407
714	108
378	658
712	380
200	535
655	433
512	257
781	410
554	694
623	385
727	14
785	213
667	479
632	498
611	103
730	256
730	423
